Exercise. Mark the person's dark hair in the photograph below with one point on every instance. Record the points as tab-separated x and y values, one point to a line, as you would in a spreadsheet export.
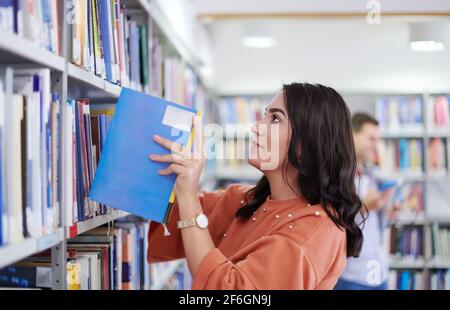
322	151
360	119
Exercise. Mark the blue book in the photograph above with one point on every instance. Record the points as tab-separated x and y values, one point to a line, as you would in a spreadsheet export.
405	280
126	178
104	33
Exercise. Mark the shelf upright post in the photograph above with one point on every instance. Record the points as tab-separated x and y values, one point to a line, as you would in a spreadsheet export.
59	252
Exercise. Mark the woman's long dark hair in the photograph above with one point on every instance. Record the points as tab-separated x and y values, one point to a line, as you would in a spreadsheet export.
322	151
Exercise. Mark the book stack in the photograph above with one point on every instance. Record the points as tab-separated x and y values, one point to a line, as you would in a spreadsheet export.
407	280
406	243
29	155
399	113
401	156
169	275
437	156
101	259
439	113
112	258
440	243
410	199
85	130
241	110
173	79
37	21
176	282
107	42
439	279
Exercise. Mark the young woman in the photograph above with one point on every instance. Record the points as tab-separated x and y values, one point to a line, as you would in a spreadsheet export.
296	227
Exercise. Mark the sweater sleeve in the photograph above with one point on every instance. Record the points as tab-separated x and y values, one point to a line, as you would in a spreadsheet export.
163	248
273	262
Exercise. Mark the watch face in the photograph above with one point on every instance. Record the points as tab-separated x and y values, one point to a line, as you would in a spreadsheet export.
202	221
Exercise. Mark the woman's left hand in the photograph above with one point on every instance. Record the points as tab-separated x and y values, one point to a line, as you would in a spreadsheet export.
187	165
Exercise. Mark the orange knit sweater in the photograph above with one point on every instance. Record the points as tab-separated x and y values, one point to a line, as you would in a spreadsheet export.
285	245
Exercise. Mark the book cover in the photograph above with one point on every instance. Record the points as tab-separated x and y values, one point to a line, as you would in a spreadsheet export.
126	179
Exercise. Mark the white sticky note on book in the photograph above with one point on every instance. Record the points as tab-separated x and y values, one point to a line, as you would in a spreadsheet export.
178	118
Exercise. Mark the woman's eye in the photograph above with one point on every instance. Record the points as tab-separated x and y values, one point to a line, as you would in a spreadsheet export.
275	118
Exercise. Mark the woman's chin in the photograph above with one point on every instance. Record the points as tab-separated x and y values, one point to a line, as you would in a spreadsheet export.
255	162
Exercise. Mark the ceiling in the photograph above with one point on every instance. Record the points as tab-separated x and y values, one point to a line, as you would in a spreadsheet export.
322	42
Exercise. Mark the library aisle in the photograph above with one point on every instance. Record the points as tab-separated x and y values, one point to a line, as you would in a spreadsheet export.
64	65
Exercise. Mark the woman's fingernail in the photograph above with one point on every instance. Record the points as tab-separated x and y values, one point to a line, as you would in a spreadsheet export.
151	156
156	137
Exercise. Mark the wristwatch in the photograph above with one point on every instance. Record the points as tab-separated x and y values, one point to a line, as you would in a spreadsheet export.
200	221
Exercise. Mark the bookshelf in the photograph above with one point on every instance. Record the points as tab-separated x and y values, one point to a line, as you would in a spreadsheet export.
407	127
17	251
72	81
420	126
100	220
15	50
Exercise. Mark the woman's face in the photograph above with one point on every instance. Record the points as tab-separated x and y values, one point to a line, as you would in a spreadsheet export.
271	137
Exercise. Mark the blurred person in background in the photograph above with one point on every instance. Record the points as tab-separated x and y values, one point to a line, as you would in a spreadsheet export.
370	270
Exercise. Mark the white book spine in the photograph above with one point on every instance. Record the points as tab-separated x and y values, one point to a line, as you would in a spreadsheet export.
13	169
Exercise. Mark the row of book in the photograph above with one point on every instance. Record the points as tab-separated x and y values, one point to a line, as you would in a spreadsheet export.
240	110
84	131
438	155
398	112
439	279
407	280
440	240
116	45
37	21
106	258
176	282
107	42
234	153
178	279
400	155
419	280
49	152
30	170
439	112
410	199
406	243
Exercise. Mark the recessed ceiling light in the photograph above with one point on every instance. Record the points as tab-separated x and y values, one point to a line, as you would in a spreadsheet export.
257	34
258	41
427	37
427	46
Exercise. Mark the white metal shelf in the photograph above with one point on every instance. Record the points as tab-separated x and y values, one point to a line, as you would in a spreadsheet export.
89	224
408	176
437	263
166	274
10	254
439	133
387	134
411	220
100	87
16	50
397	263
